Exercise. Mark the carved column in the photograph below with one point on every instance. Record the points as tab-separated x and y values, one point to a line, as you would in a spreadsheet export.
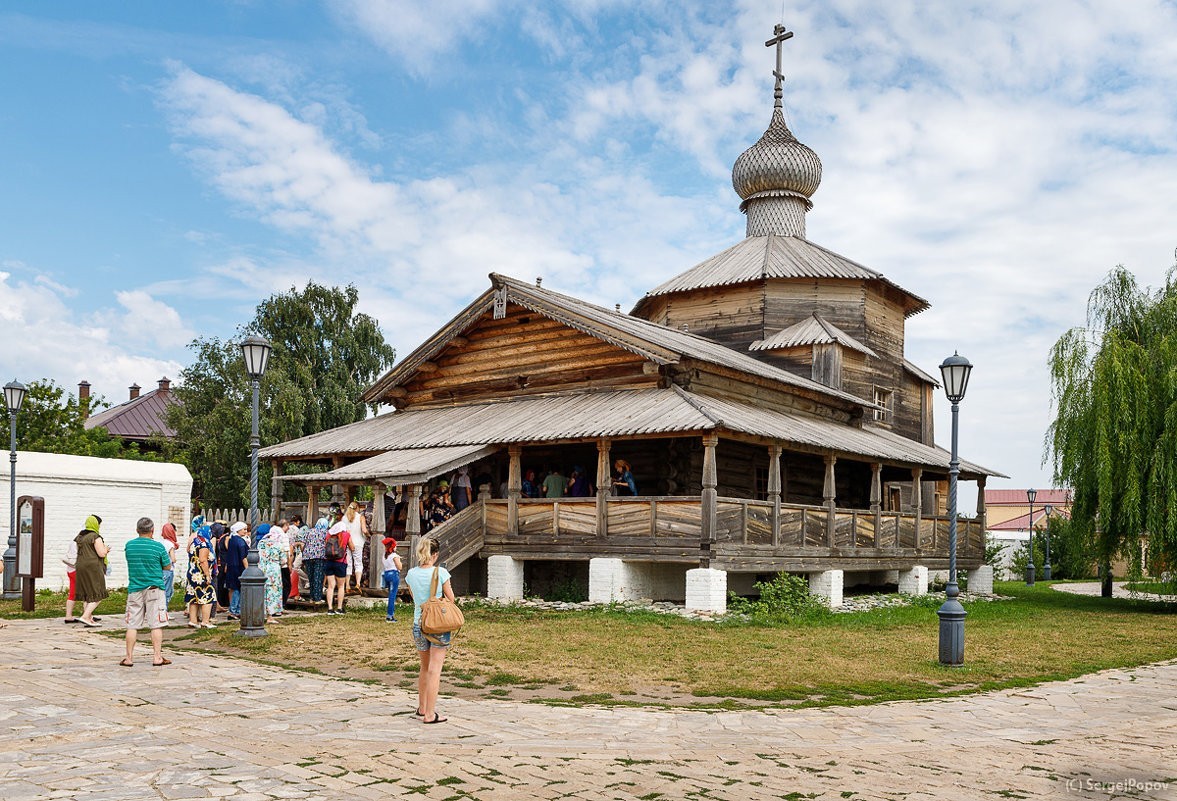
604	487
710	500
876	497
514	487
774	490
917	503
980	515
829	495
276	490
376	537
413	521
312	504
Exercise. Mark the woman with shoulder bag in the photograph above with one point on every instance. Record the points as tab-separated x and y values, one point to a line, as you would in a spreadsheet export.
432	652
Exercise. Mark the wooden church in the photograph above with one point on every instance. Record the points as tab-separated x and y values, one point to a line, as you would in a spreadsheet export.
762	398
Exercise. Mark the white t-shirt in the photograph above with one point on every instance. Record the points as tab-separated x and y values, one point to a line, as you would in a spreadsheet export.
392	562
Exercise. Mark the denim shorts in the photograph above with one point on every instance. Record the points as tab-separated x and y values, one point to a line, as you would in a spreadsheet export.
337	569
424	644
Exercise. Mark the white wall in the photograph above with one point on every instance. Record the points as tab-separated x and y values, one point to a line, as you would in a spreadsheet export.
120	491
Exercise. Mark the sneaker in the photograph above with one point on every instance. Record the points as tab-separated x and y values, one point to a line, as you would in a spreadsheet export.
209	626
390	619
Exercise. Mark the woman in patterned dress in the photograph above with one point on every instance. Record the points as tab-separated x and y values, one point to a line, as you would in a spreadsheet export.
200	593
270	550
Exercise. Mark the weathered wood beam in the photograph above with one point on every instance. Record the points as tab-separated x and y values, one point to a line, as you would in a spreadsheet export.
413	521
917	502
830	497
427	367
709	505
514	486
604	486
774	490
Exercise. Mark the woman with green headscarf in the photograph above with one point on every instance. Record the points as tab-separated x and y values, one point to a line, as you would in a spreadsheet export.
91	569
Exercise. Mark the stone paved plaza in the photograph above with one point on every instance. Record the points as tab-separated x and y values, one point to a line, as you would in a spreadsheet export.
77	726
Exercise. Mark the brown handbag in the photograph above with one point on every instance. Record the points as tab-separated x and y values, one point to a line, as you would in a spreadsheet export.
440	615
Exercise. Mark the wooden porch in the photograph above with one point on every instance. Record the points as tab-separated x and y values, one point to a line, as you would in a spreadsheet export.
749	535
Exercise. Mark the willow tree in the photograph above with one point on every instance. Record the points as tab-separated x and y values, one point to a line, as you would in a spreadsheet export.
1114	437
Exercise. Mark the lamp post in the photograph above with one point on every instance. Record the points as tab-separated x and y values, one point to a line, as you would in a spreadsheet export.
14	396
1030	493
955	372
1046	567
256	352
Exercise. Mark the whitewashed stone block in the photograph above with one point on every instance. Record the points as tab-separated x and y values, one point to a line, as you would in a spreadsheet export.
981	580
504	578
914	581
828	584
707	590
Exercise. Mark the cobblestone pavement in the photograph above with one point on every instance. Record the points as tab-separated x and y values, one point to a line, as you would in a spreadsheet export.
74	725
1119	590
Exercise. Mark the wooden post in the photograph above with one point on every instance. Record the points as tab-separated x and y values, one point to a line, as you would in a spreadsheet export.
981	512
312	504
376	538
917	503
604	487
774	490
413	522
514	487
876	497
337	490
276	490
710	499
829	495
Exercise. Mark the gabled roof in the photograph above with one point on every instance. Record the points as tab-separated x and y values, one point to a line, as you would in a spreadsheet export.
811	331
590	415
657	343
918	373
139	418
762	257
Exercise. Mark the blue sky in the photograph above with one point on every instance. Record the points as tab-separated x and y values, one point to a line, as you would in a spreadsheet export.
168	165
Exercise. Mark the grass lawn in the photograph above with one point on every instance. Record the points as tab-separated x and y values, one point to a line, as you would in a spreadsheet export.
616	657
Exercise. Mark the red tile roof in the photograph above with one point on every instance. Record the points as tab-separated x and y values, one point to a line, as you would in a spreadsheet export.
1017	497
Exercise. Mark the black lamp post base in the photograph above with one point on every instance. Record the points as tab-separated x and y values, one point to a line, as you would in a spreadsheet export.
952	616
1030	575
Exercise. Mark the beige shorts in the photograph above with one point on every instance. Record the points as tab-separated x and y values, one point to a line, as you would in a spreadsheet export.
147	609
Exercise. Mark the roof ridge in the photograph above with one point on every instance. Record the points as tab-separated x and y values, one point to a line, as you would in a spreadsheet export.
698	406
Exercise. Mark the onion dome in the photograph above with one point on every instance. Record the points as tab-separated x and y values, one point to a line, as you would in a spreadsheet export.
776	176
778	163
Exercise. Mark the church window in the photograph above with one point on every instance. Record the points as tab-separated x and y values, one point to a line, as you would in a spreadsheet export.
884	398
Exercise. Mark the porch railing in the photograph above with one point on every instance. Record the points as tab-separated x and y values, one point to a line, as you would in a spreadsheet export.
740	522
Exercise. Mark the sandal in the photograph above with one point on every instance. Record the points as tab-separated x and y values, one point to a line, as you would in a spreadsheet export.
419	713
161	664
89	624
436	719
125	663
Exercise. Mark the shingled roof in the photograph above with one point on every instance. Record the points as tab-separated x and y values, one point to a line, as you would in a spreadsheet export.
764	257
813	330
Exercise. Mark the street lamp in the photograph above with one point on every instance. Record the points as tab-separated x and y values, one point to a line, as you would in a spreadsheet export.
1046	567
955	372
14	396
1030	494
256	352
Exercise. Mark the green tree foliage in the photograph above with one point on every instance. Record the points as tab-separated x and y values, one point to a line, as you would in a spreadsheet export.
324	355
1114	438
53	421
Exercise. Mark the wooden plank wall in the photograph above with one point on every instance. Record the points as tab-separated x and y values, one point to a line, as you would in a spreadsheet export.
732	315
523	353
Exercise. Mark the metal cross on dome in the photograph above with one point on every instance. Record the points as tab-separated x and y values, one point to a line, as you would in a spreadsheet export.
780	36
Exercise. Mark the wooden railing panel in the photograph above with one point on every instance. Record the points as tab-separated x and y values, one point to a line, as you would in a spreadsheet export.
906	532
536	518
729	521
677	518
864	531
888	530
577	518
815	527
792	533
759	531
461	536
630	519
843	530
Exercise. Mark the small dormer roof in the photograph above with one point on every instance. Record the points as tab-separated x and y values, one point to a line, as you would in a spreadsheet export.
813	330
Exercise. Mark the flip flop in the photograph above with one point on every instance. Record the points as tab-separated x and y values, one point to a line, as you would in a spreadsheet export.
73	620
161	664
436	719
90	625
419	713
125	663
